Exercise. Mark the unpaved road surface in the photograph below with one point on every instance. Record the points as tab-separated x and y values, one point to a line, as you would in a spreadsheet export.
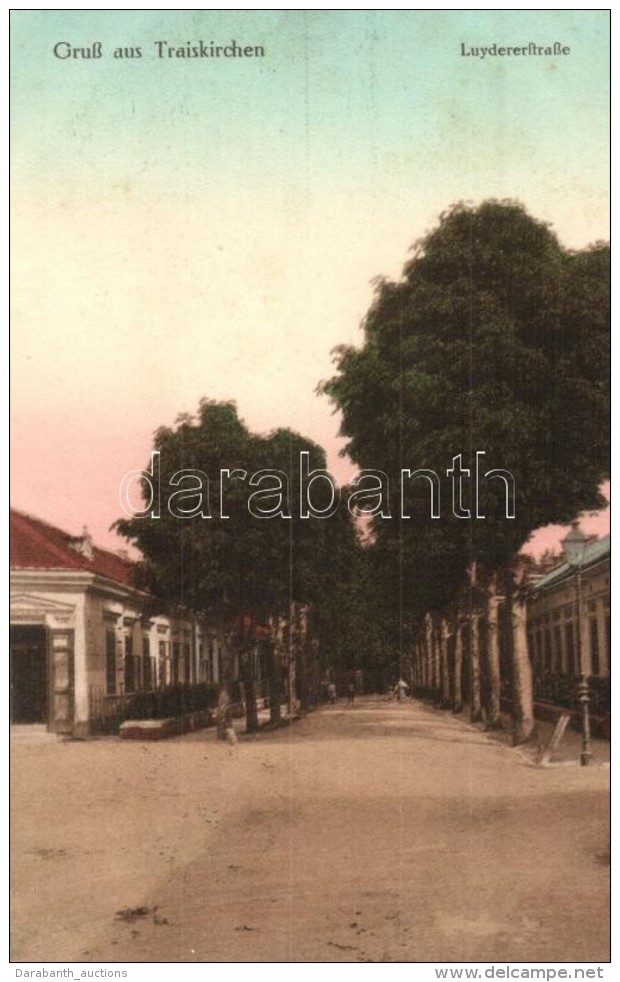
381	832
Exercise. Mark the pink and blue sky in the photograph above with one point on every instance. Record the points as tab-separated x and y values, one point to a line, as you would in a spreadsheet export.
189	228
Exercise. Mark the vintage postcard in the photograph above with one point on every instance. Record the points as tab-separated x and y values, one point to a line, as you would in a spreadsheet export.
310	558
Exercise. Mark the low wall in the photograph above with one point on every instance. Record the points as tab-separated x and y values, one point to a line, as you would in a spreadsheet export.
160	729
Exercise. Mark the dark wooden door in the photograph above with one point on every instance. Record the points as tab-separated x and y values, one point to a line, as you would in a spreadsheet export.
29	685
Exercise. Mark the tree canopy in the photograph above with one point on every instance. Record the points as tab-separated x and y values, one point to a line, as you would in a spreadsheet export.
495	339
232	562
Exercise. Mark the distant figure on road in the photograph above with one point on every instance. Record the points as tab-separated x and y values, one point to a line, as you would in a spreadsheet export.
400	689
350	693
331	693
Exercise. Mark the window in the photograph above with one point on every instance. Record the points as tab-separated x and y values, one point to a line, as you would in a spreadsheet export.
176	657
594	649
130	681
110	663
607	638
570	649
186	662
138	681
147	668
559	658
163	663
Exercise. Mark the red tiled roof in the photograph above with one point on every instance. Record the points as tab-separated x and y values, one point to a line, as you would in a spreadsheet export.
36	545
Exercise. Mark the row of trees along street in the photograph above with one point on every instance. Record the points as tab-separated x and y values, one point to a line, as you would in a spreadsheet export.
285	575
495	339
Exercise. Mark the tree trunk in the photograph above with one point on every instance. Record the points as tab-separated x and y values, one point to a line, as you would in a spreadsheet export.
430	658
493	721
416	681
249	691
302	680
437	658
301	647
292	664
426	655
224	713
522	686
444	665
275	697
474	661
457	692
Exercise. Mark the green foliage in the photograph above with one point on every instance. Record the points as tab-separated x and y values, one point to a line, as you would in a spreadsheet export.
600	696
171	702
241	564
351	617
495	339
562	690
558	688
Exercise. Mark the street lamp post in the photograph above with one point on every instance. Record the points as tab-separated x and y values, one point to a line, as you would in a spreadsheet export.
574	545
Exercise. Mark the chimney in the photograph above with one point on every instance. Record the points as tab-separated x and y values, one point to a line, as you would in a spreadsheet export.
83	543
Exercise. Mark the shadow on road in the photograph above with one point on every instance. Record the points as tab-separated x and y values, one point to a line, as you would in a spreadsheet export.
370	719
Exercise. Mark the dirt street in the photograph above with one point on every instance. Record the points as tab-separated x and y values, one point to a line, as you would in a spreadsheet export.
381	832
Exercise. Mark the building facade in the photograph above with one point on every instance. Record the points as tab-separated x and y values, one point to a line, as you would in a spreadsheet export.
552	616
83	637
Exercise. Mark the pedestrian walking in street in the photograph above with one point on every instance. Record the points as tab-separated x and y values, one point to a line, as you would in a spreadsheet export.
350	693
331	693
400	689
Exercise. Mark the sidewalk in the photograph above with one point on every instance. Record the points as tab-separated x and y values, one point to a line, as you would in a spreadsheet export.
569	750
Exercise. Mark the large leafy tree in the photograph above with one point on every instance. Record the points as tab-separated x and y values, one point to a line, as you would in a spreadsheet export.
495	339
224	560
